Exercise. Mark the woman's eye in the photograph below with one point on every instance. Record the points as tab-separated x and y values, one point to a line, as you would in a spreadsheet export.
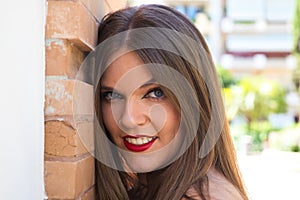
110	96
155	93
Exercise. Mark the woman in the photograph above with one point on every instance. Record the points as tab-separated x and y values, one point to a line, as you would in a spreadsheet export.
158	102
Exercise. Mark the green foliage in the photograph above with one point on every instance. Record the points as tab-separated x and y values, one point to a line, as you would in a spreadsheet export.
259	132
228	81
261	97
232	100
296	27
296	44
287	139
255	98
295	148
225	77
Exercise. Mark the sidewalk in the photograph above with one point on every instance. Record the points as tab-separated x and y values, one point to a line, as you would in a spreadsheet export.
272	175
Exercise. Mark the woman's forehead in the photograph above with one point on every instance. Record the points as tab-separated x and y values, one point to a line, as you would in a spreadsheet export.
127	71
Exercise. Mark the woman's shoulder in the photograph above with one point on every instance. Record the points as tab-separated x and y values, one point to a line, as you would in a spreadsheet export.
219	188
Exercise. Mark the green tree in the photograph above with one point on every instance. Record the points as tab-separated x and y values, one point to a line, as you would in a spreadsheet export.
296	42
227	82
261	97
225	77
255	98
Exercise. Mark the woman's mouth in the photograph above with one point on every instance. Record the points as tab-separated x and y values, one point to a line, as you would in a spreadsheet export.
138	143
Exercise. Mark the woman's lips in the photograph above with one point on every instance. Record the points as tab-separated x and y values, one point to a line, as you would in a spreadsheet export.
138	143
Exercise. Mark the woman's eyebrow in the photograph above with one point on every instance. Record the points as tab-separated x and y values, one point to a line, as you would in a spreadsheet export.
106	88
149	82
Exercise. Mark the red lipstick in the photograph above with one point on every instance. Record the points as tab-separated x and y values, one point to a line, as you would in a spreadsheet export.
137	147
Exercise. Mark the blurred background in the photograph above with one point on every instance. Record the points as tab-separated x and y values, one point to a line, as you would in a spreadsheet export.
256	48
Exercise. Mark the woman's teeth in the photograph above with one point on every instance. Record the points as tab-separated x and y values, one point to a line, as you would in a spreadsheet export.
140	140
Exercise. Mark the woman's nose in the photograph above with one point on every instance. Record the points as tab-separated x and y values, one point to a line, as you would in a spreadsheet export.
134	114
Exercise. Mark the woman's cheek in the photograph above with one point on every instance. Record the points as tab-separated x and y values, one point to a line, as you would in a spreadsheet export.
158	115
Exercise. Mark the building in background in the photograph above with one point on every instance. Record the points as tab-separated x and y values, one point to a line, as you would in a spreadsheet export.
245	36
258	38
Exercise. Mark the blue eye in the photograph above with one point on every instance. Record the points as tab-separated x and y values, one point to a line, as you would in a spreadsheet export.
109	96
155	93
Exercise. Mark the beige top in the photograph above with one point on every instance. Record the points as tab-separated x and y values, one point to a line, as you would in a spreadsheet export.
219	188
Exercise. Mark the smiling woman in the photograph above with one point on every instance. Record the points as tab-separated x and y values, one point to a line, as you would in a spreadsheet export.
163	132
136	112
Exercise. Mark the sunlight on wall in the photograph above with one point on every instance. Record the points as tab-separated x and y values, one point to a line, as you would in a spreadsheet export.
22	99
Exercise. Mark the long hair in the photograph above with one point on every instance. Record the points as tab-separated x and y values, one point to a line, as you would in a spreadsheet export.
190	169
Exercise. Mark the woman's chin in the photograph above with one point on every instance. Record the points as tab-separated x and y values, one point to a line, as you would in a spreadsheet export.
148	162
140	164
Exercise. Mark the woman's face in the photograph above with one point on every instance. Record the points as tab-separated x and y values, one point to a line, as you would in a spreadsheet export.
138	115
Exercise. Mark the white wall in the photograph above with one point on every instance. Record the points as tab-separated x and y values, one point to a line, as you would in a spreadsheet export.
22	80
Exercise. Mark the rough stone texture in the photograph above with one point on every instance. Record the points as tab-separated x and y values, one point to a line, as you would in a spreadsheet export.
96	7
70	20
89	195
67	180
62	58
61	139
68	98
71	31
